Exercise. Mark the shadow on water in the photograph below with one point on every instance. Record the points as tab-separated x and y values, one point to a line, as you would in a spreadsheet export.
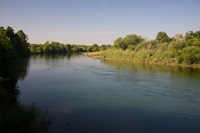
15	117
50	59
60	56
172	70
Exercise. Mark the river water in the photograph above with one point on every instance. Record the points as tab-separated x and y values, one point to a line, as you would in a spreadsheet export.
87	95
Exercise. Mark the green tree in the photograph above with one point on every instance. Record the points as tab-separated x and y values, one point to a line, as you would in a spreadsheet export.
189	35
95	47
15	40
45	47
19	40
190	55
130	41
119	43
68	48
133	40
193	38
162	37
8	55
10	33
24	42
36	48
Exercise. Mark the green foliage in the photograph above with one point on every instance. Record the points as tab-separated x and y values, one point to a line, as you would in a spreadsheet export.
190	55
133	40
162	37
94	48
177	44
163	50
12	47
130	41
104	47
56	47
19	40
10	34
119	43
8	55
193	38
145	45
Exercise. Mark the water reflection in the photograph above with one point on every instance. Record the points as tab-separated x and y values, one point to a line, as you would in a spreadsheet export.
173	70
177	83
9	86
52	59
48	57
16	117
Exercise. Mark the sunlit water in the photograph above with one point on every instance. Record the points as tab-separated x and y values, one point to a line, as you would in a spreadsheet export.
86	95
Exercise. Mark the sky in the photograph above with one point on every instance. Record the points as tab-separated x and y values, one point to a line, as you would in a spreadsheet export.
98	21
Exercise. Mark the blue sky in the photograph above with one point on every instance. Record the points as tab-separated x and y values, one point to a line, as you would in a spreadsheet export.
98	21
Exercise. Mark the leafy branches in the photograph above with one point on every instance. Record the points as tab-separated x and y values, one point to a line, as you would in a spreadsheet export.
183	50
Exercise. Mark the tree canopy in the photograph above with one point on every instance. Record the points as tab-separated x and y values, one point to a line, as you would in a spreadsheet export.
129	40
19	40
162	37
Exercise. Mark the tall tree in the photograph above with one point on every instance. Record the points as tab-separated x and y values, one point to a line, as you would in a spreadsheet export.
10	33
95	47
129	40
133	39
119	43
162	37
8	56
23	41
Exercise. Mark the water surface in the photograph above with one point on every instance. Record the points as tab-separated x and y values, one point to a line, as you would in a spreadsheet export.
86	95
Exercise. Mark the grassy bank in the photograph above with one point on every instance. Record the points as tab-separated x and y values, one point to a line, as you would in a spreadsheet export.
176	51
142	56
93	54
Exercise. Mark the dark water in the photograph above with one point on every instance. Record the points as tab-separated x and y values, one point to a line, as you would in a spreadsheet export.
86	95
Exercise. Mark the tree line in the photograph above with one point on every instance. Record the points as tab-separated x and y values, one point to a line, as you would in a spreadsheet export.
56	47
183	50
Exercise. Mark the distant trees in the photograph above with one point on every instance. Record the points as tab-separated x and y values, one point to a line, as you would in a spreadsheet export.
56	47
19	43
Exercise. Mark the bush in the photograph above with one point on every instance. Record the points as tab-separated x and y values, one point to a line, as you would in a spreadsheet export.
190	55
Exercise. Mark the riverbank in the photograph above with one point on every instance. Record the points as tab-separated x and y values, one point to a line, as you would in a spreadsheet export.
131	56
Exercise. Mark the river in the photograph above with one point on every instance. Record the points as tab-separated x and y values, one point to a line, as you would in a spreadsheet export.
87	95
